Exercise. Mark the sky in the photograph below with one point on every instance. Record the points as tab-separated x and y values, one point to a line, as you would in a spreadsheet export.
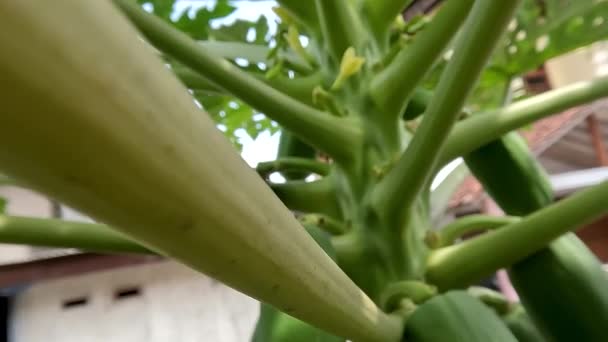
264	148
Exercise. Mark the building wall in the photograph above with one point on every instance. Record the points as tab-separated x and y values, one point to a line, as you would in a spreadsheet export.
163	301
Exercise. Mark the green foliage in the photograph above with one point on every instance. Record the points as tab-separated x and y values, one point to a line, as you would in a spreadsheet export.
541	30
197	25
544	29
233	117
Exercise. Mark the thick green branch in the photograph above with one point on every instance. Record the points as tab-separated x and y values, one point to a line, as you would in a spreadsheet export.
340	26
480	34
193	80
382	13
479	130
5	180
304	12
447	235
333	135
252	53
300	88
309	197
392	88
291	164
324	222
462	264
58	233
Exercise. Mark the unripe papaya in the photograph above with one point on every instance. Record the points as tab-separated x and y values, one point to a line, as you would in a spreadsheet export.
511	175
455	316
563	287
521	325
565	291
291	146
417	104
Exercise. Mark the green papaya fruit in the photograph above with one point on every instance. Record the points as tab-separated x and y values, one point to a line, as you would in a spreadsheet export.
455	316
521	325
511	175
417	104
565	291
291	146
563	287
276	326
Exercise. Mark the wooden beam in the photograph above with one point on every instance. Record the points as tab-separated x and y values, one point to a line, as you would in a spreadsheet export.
596	138
24	273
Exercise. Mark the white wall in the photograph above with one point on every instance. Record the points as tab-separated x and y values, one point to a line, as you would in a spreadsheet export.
175	304
579	65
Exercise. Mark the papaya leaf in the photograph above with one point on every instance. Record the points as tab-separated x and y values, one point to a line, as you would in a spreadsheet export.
541	30
232	116
544	29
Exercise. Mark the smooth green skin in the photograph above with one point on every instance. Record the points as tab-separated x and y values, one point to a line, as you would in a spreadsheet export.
451	232
565	291
455	316
488	127
563	287
276	326
511	175
291	146
472	260
59	233
521	326
417	104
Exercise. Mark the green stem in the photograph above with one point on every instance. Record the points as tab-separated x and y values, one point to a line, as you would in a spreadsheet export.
324	222
292	163
6	180
234	50
492	299
309	197
304	12
382	13
416	291
300	88
392	88
252	53
333	135
447	235
479	130
340	26
193	80
464	263
58	233
481	33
